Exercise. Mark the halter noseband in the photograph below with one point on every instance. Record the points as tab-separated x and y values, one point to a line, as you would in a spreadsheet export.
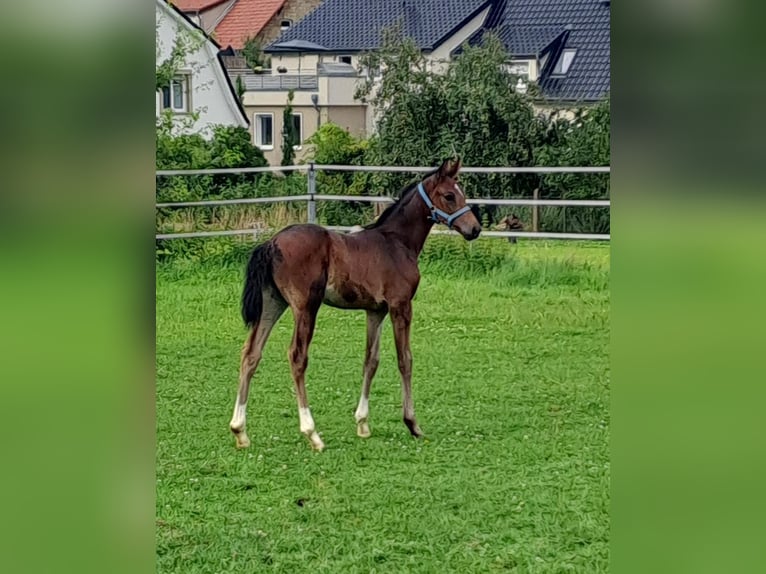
436	213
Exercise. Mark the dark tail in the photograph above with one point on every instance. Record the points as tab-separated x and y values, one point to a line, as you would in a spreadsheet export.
259	274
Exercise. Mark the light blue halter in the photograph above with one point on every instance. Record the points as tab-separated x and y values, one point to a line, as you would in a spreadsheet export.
446	218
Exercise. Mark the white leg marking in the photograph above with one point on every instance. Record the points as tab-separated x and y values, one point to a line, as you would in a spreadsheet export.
307	421
363	410
307	428
238	423
238	419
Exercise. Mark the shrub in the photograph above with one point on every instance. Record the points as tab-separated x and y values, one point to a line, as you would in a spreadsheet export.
332	145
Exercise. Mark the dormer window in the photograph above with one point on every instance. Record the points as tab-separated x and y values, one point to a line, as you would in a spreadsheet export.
344	59
285	24
565	62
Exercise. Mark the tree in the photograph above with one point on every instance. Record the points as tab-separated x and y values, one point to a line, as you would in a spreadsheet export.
254	56
240	89
289	135
471	109
332	144
184	43
581	138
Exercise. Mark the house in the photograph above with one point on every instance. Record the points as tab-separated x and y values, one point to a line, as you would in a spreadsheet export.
233	22
318	58
562	45
201	84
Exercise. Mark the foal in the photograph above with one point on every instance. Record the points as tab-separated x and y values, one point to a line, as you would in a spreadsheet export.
375	269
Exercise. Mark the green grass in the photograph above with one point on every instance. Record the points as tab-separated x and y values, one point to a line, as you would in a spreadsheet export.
511	387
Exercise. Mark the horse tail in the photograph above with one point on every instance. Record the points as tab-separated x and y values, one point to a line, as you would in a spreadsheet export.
259	274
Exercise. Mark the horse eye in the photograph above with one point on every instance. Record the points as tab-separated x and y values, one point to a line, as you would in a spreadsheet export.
449	196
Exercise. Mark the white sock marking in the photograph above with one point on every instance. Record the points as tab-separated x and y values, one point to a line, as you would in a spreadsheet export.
307	421
363	410
238	420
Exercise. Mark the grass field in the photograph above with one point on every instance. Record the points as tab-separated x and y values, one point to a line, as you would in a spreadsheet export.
511	387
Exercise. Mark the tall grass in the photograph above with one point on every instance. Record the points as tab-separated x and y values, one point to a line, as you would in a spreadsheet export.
526	264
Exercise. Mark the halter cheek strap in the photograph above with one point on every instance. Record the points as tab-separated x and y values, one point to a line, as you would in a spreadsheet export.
437	213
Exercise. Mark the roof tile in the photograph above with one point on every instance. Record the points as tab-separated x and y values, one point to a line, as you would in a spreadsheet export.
356	25
245	19
196	5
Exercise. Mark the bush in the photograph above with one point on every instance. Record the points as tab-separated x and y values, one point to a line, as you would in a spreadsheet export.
229	147
332	145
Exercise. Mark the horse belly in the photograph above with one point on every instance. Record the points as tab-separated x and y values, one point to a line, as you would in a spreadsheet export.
349	296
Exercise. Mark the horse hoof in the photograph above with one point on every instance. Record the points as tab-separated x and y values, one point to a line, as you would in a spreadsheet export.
316	442
414	428
242	441
363	430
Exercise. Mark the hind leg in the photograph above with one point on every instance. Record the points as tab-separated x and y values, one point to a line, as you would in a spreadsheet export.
304	330
273	307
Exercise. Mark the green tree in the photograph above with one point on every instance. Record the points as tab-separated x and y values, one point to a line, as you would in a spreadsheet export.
289	133
333	145
184	43
240	89
254	56
471	109
578	138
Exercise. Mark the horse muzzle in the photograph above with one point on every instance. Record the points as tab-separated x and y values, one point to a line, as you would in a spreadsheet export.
471	233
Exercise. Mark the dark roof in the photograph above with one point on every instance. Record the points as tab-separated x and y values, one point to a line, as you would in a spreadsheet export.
356	25
528	24
528	40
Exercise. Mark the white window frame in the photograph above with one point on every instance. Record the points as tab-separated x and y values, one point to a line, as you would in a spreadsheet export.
282	26
562	67
257	131
521	68
300	131
185	79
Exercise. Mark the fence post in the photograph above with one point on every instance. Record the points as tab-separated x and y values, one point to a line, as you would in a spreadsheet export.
312	184
536	211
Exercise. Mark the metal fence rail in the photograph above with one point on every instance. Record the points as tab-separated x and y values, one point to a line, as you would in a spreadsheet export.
380	168
312	197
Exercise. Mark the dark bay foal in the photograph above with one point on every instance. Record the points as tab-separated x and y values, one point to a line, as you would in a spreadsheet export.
375	269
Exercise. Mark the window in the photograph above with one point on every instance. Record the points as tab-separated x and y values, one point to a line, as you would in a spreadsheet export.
564	63
344	59
519	68
285	24
298	127
263	131
176	96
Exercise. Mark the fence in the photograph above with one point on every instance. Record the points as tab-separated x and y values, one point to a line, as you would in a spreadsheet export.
312	197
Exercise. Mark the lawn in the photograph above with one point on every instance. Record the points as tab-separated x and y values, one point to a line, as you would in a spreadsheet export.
511	387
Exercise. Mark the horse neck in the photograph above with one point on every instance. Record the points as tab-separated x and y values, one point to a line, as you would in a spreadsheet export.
410	224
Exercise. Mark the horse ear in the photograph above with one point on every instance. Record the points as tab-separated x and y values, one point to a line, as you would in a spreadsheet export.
450	168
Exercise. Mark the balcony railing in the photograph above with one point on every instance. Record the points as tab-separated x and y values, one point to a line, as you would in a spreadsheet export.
279	82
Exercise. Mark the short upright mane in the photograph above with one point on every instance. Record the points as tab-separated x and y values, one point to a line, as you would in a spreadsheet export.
404	195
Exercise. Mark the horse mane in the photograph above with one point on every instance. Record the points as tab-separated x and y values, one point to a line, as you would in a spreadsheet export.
404	196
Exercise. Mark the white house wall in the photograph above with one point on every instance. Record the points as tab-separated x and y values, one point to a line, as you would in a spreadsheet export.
210	95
